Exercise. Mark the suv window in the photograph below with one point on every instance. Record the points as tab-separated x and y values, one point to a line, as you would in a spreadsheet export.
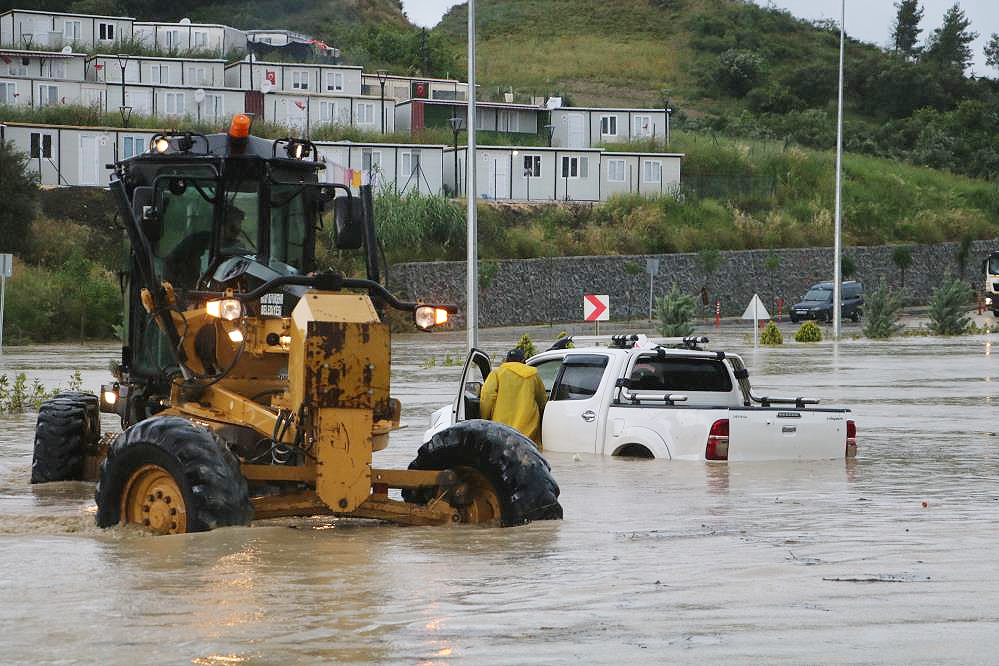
655	373
580	377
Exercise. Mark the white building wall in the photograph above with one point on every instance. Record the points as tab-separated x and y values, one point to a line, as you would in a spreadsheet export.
582	127
193	72
288	77
55	30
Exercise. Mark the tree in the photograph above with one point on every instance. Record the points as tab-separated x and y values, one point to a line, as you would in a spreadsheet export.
881	308
949	45
907	29
992	51
947	307
902	257
739	71
676	313
18	192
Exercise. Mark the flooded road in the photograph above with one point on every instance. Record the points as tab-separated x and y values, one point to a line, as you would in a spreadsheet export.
831	562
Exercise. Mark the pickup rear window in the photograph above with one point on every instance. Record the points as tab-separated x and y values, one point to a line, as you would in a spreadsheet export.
655	373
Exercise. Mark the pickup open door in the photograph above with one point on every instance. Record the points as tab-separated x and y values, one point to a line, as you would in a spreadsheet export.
473	376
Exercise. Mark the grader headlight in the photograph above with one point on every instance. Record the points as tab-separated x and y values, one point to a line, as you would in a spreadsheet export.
228	309
428	316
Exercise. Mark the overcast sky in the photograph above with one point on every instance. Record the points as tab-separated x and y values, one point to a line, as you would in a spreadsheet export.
867	20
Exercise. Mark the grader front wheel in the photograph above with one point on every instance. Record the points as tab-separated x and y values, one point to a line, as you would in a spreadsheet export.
171	476
152	498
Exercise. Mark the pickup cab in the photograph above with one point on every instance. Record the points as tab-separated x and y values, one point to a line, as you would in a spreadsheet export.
661	398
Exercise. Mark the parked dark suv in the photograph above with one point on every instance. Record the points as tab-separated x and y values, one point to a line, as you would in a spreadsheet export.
817	303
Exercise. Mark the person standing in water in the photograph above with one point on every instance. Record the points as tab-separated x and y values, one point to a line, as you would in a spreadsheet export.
515	395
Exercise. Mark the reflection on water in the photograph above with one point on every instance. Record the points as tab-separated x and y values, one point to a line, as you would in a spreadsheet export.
889	557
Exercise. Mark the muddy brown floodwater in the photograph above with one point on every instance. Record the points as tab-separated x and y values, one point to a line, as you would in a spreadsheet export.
656	561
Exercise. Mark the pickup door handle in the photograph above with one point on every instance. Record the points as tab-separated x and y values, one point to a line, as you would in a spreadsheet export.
589	416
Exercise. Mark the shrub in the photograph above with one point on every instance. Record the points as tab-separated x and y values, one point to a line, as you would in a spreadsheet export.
902	257
739	71
771	335
675	312
809	332
18	191
526	345
881	308
947	307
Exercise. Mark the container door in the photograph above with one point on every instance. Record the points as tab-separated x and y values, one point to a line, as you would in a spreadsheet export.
577	131
90	168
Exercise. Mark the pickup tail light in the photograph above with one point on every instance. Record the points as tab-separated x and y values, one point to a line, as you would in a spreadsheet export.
851	439
717	448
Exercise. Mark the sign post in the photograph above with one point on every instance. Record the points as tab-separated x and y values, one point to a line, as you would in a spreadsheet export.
756	312
652	268
6	271
596	308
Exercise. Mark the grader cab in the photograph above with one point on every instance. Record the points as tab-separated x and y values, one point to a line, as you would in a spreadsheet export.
252	385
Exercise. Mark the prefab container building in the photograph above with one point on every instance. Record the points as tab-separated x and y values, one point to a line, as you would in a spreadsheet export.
296	78
185	36
580	127
32	30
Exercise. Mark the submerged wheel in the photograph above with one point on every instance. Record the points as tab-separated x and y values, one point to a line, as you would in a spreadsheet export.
503	477
173	477
67	426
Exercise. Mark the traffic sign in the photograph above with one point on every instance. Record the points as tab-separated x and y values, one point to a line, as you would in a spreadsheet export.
596	307
6	265
756	312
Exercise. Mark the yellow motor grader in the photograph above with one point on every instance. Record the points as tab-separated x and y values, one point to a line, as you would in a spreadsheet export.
250	384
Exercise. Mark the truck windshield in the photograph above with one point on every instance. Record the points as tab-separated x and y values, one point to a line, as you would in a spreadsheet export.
818	295
994	264
288	226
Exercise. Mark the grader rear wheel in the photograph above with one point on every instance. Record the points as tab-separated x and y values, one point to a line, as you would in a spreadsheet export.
476	497
153	498
504	479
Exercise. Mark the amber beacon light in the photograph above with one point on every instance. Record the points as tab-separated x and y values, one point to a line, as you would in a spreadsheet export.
239	128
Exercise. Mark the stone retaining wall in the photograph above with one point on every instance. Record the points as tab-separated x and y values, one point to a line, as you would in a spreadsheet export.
527	291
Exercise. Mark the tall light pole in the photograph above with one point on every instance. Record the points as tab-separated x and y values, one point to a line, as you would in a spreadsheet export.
455	123
382	78
837	247
472	305
123	63
668	110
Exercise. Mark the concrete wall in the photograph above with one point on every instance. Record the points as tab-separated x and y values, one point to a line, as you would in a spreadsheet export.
539	290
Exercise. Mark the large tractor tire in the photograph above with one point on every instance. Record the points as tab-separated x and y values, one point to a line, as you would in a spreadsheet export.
503	477
68	425
173	477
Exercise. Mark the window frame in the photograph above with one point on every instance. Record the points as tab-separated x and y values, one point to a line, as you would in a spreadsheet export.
600	361
300	79
12	97
608	125
53	88
105	31
636	131
337	84
616	161
645	171
532	166
40	146
175	97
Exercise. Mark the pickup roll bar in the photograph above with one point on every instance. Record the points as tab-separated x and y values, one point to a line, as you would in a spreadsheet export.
742	376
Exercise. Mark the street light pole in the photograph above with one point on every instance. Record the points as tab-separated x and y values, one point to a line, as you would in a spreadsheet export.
472	259
837	248
382	78
123	63
455	123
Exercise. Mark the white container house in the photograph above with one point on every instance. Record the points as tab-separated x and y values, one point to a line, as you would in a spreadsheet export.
307	112
305	78
32	30
194	72
402	88
74	156
650	174
407	167
185	36
415	114
520	173
581	127
16	63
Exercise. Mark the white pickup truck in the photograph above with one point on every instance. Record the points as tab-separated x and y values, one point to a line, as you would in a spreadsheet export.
662	398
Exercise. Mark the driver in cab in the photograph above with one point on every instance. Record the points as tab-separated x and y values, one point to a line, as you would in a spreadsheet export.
515	395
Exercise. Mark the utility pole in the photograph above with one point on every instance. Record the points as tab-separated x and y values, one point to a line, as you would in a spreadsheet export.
472	259
837	247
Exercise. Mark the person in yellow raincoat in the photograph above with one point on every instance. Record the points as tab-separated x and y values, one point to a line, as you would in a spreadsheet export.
515	395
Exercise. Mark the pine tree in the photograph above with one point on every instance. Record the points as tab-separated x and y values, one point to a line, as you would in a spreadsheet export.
18	191
992	51
949	46
907	28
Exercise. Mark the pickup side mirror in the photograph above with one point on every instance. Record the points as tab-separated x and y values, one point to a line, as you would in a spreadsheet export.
348	220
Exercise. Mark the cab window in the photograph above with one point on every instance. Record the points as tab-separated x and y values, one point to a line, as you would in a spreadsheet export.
288	226
655	373
547	371
580	377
